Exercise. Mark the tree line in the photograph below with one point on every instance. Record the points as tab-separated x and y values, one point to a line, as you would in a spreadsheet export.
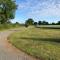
7	12
30	21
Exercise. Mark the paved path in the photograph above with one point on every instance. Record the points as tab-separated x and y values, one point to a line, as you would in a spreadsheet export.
9	52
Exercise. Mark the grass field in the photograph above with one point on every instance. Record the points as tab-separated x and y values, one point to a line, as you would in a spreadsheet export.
38	42
8	26
49	26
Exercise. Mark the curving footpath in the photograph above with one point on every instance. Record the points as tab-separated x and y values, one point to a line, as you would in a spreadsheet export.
9	52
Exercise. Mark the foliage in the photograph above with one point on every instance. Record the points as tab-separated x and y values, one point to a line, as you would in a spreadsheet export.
58	23
17	23
35	23
53	23
44	23
26	25
39	22
29	21
7	10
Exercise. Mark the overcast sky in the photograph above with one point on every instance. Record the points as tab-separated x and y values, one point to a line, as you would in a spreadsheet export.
48	10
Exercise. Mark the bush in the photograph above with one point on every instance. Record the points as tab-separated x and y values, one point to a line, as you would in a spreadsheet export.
26	25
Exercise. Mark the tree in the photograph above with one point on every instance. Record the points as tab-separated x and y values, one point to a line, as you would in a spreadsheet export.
7	10
17	23
35	23
26	25
53	23
58	23
44	23
39	22
29	21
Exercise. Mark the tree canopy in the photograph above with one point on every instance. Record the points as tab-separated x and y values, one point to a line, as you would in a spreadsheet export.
7	10
29	21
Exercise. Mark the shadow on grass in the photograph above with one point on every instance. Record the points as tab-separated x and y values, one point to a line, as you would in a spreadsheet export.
43	39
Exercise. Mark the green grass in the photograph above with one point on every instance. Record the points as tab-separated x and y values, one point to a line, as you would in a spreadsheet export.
49	26
8	26
38	42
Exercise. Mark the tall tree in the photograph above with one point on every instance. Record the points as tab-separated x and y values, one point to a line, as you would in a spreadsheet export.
39	22
7	10
29	21
35	23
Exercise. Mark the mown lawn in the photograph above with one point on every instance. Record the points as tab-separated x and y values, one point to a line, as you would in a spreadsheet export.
38	42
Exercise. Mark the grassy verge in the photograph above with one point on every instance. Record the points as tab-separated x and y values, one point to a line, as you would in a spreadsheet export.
41	43
8	26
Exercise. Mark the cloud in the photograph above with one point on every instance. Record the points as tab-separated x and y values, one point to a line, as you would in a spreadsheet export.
41	7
